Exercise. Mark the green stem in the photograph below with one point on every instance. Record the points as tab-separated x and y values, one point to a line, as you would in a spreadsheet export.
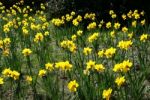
29	65
63	87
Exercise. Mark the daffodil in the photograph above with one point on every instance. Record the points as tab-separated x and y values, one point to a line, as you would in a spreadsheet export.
42	73
49	66
73	85
143	37
87	51
107	94
120	81
26	52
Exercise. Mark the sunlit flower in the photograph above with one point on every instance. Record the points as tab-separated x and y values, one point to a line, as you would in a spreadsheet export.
120	81
26	52
142	13
38	37
134	23
125	44
108	25
124	17
15	75
112	34
73	85
143	22
117	25
74	37
117	67
87	51
124	29
90	16
126	65
90	65
123	67
107	94
69	45
130	35
6	52
113	16
75	22
58	22
49	66
69	17
7	41
143	37
110	52
101	53
101	23
7	72
111	12
129	14
46	33
79	32
99	67
93	37
42	72
136	16
63	65
91	26
73	13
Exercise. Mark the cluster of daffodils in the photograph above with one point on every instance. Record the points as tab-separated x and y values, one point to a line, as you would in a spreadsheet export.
125	44
125	66
5	46
101	24
108	53
91	62
58	22
91	26
93	37
67	18
91	16
70	16
69	45
77	20
11	73
63	65
91	65
112	13
49	67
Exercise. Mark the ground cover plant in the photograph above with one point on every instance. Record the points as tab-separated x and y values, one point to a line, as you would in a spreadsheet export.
74	57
